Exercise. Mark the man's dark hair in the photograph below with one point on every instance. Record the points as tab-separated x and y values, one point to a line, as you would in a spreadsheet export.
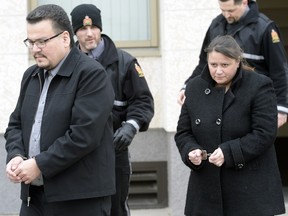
56	14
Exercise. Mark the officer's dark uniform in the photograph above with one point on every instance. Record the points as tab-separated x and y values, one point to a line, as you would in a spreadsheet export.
133	101
260	39
133	105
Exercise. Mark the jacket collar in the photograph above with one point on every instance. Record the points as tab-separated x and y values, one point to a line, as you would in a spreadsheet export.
230	94
207	77
69	63
109	55
252	15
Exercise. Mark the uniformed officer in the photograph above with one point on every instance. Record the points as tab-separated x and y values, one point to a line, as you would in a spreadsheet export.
260	39
133	106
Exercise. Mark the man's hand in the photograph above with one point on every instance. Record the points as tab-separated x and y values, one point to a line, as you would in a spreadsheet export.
27	171
124	136
11	167
282	119
181	97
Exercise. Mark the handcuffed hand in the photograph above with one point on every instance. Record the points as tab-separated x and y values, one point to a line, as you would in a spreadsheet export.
217	157
11	167
195	156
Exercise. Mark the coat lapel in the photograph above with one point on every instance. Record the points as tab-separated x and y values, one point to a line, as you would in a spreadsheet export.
228	100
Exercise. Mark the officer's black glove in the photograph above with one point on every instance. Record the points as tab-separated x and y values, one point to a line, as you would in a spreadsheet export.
124	136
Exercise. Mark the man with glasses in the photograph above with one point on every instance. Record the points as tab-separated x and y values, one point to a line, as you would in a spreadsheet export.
39	43
259	38
59	137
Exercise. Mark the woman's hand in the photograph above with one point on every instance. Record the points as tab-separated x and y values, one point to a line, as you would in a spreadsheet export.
217	157
195	156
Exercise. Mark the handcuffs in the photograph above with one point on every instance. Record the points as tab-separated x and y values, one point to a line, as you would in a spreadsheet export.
205	155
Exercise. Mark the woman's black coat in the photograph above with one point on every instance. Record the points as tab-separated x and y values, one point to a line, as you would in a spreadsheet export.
243	123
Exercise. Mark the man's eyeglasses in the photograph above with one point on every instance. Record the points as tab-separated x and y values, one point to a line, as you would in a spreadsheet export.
39	43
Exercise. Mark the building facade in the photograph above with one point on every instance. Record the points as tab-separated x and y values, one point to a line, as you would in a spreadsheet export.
181	28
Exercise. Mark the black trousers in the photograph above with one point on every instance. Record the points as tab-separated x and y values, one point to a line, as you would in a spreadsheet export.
120	205
38	206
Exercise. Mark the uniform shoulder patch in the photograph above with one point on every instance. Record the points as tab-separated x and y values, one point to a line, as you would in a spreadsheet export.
139	70
275	36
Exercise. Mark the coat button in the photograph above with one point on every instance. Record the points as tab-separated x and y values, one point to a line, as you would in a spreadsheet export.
207	91
240	166
218	121
197	121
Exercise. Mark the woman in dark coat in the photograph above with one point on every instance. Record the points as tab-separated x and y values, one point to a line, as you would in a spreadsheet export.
225	135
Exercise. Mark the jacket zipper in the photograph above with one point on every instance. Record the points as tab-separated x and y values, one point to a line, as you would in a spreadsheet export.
28	196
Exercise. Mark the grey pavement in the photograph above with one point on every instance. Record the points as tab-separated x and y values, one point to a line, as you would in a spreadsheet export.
168	212
156	212
151	212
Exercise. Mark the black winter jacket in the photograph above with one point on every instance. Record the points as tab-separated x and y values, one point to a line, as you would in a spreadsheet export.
76	148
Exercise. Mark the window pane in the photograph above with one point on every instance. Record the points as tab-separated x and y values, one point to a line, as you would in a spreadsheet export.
129	23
